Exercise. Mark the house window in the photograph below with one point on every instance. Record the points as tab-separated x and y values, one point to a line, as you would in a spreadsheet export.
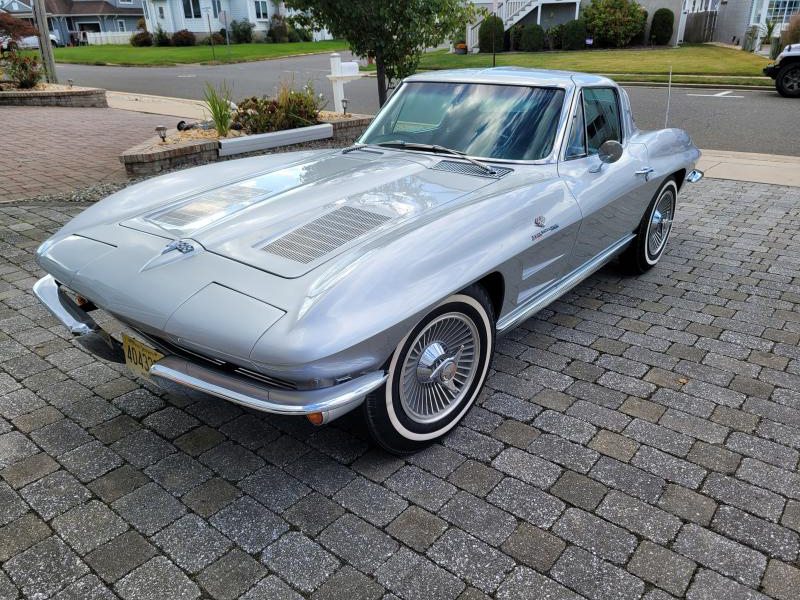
261	9
126	1
120	25
160	12
782	10
216	6
191	9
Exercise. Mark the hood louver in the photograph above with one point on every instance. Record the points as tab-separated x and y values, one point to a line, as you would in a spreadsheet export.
465	168
325	234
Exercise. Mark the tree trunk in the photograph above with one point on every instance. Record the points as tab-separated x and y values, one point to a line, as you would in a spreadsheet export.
381	71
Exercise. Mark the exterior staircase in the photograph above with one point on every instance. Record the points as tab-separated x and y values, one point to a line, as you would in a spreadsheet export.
510	12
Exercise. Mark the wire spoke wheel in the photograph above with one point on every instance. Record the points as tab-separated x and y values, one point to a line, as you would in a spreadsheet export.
660	223
439	368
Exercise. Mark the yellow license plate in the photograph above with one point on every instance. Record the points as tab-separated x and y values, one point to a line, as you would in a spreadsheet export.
139	357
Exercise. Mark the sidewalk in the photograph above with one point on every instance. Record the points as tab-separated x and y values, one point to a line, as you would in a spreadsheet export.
752	167
158	105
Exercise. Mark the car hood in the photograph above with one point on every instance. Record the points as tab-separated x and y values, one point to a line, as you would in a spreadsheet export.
293	219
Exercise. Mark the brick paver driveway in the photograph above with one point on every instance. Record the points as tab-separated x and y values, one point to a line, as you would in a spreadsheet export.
51	149
640	438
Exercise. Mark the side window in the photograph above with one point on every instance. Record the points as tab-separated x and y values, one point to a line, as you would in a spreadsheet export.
576	143
601	111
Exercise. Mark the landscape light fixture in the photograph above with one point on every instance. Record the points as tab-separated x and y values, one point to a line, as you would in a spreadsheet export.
69	83
344	106
162	132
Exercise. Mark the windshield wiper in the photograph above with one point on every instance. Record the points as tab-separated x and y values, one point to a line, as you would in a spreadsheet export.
436	148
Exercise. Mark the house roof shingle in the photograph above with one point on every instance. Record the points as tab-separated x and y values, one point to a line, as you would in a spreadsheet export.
79	7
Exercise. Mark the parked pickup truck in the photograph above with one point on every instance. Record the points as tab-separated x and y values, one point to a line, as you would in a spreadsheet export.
28	42
786	71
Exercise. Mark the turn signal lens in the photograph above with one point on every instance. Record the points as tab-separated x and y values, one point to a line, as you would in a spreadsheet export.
315	418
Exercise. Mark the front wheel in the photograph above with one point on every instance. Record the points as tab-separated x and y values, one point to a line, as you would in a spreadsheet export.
788	81
435	374
654	229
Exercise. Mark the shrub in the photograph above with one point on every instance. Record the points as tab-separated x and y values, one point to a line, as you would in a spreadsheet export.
289	109
184	37
613	23
25	71
141	39
532	38
573	35
306	35
141	24
278	31
161	37
516	36
491	29
241	32
294	37
661	27
216	37
218	103
552	37
641	37
791	35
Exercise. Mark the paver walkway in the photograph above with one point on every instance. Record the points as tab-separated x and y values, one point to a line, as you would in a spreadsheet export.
51	150
640	438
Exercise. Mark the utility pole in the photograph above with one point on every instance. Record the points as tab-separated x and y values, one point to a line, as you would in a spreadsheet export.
45	48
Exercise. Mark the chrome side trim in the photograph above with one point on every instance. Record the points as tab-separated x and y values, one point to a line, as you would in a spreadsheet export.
172	371
560	287
61	306
694	176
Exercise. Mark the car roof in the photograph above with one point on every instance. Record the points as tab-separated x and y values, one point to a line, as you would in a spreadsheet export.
514	76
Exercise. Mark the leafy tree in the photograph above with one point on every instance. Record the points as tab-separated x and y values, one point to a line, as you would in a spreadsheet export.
791	35
532	38
490	34
14	28
394	32
661	27
613	22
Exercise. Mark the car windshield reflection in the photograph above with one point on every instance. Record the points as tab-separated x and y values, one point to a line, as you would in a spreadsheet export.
480	120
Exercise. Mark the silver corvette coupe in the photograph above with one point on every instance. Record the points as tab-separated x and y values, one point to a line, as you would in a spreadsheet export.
379	275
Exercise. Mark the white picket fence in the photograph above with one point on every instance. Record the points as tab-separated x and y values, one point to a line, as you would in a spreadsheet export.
109	37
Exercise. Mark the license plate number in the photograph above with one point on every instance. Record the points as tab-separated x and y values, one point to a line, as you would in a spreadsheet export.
139	357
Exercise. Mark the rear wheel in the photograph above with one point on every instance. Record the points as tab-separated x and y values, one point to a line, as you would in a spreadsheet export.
435	374
656	225
788	81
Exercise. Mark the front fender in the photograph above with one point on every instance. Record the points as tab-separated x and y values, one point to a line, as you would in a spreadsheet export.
357	311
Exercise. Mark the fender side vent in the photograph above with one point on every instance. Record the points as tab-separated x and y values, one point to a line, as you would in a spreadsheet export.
325	234
465	168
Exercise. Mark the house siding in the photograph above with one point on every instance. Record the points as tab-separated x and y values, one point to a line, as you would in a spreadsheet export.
733	20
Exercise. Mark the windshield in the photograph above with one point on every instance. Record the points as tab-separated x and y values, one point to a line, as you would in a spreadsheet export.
481	120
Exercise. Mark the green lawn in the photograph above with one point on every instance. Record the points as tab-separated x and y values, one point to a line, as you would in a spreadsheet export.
128	55
625	65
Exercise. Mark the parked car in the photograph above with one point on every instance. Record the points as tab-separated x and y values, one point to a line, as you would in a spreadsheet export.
379	275
786	71
31	41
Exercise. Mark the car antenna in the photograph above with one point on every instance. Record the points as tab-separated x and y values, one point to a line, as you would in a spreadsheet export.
669	95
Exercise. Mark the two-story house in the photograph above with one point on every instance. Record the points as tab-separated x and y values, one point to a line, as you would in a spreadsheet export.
199	15
69	19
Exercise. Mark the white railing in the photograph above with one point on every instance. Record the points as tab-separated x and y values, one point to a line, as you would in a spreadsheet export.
509	13
109	37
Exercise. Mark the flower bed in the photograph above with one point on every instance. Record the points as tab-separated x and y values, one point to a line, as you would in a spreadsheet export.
195	147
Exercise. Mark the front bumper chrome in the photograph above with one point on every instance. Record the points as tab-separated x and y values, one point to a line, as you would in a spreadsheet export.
330	402
180	375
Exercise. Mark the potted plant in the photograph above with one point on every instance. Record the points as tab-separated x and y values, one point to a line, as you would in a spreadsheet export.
460	47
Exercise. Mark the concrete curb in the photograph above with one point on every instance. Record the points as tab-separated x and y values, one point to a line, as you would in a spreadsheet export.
697	86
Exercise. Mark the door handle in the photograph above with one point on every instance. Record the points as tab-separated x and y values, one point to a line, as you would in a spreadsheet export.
646	172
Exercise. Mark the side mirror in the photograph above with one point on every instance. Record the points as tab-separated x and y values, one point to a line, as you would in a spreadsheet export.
610	151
